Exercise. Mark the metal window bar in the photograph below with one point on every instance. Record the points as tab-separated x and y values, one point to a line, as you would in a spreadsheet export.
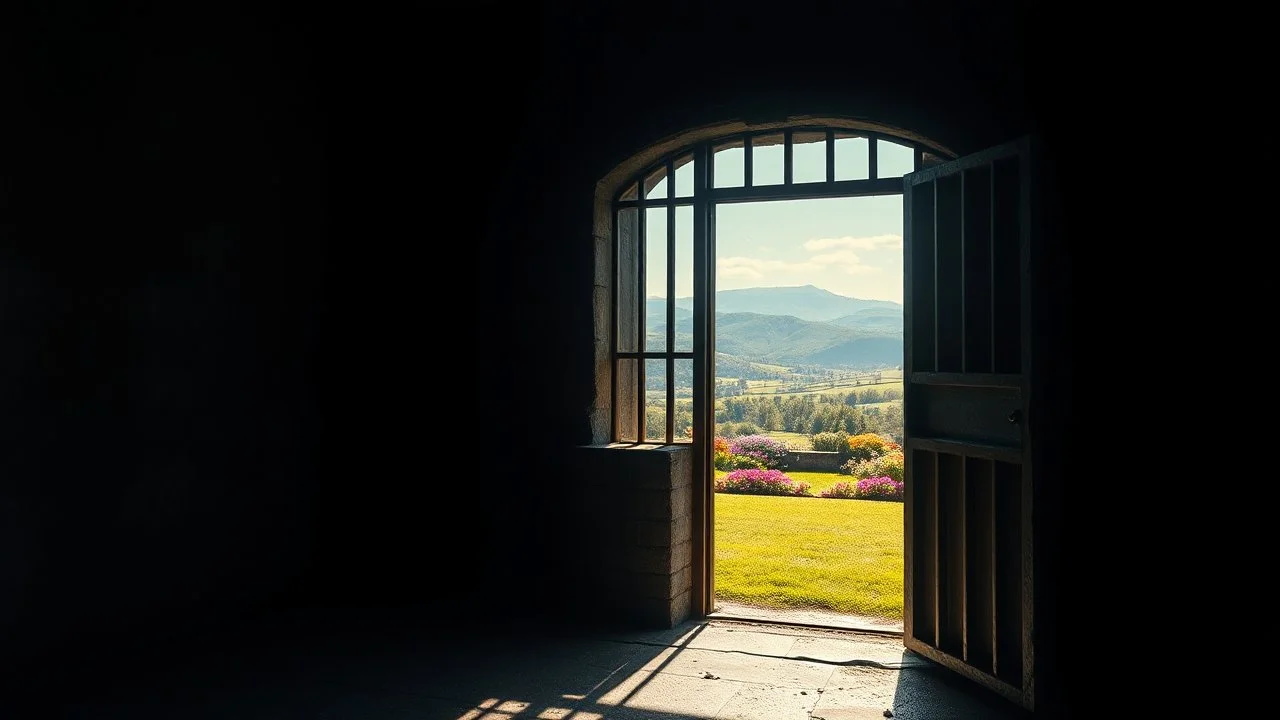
641	307
702	589
964	318
671	302
617	334
788	158
933	239
831	156
802	191
706	195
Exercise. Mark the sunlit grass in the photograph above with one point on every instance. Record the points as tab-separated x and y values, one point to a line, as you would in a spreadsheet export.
787	552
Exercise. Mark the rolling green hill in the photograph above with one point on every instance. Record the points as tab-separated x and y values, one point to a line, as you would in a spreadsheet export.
860	333
890	318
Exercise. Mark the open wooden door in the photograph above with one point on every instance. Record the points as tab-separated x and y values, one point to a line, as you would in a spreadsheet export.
968	243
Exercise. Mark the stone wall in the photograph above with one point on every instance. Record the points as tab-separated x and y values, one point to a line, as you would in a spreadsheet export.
813	460
630	535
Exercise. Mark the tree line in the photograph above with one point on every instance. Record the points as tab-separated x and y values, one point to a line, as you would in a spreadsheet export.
806	414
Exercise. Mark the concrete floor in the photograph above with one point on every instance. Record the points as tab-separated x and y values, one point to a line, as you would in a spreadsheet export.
710	669
821	618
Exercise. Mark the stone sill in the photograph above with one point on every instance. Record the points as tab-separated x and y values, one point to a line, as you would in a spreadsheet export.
640	446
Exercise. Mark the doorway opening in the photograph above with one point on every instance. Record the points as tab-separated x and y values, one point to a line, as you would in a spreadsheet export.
807	457
808	464
966	338
799	372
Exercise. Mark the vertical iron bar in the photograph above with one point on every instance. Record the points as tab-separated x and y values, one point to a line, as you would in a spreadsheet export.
963	510
671	309
709	172
937	542
710	409
964	338
934	241
831	156
873	160
642	248
788	157
613	341
910	499
701	590
748	158
995	565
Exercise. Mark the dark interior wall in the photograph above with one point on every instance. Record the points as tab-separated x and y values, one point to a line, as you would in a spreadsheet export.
267	269
162	262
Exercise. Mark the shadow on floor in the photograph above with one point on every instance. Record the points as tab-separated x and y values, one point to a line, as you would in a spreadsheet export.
308	669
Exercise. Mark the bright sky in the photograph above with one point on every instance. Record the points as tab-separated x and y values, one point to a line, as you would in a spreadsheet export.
849	246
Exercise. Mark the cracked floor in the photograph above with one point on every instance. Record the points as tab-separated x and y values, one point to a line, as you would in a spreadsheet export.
719	669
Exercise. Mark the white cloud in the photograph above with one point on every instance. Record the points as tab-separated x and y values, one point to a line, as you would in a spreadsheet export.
843	260
872	242
740	271
739	266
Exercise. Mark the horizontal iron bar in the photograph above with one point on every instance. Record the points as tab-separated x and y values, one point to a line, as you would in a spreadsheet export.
653	355
686	201
809	191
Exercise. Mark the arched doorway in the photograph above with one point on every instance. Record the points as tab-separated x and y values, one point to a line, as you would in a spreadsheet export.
967	238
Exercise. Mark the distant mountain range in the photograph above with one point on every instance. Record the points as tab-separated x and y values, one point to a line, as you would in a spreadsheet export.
805	302
803	325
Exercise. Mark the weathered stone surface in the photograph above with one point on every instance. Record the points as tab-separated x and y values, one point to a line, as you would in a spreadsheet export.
636	526
653	533
651	560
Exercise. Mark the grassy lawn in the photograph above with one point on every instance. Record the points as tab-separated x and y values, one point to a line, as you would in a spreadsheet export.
787	552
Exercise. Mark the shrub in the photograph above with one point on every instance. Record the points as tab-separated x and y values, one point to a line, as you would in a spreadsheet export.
739	462
845	490
761	482
832	442
720	461
891	464
732	429
720	453
870	445
879	488
765	449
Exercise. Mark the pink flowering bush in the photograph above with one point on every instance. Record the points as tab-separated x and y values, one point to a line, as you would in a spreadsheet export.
844	490
879	488
767	450
760	482
892	464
